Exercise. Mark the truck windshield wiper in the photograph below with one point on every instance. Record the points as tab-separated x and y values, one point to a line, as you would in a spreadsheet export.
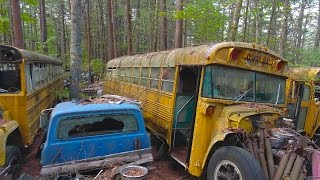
243	94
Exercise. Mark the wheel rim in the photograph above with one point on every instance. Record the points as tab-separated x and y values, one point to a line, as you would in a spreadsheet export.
227	170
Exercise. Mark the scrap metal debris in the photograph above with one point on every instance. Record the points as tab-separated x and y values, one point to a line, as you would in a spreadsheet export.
111	99
283	153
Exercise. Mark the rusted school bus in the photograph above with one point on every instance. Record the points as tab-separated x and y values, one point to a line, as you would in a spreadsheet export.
303	94
196	98
29	83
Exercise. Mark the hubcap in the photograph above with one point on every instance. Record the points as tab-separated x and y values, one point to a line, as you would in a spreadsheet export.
227	170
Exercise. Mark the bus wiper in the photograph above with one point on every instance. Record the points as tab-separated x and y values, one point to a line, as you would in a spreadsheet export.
242	95
278	94
3	90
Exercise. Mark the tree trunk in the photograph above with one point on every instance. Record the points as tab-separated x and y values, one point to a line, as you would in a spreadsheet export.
17	25
245	24
317	40
63	44
129	29
235	20
112	37
179	23
284	27
270	29
154	29
257	21
137	28
163	25
299	30
89	38
300	22
43	25
75	48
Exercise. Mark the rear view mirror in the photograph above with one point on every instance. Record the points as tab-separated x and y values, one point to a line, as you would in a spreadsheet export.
316	99
44	118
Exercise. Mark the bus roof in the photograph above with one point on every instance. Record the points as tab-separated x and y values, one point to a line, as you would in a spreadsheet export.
304	73
202	55
12	54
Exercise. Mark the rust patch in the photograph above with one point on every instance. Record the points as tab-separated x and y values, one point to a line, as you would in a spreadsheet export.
155	127
2	121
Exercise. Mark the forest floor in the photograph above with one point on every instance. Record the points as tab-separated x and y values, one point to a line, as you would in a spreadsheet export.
165	169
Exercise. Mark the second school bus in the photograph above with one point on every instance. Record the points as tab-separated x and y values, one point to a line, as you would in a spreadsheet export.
195	99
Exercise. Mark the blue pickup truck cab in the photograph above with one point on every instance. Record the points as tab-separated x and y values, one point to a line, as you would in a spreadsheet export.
94	134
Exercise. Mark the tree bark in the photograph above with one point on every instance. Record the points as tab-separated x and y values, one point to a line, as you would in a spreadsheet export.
235	20
89	39
270	28
179	23
75	48
43	26
137	28
257	21
163	25
63	44
300	22
112	37
317	39
17	24
284	27
245	24
129	29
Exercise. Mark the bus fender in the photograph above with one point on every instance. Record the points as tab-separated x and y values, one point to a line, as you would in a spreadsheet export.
6	128
218	138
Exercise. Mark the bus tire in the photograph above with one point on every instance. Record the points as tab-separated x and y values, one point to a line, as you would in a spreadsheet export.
240	163
14	158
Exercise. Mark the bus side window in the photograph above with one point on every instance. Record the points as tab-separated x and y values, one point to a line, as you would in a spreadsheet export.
154	77
29	77
167	78
144	76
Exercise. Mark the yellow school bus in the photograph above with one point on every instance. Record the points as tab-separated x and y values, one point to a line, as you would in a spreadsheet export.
196	99
303	94
28	84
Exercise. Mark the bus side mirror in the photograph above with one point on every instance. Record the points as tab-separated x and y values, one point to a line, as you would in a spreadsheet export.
316	99
44	118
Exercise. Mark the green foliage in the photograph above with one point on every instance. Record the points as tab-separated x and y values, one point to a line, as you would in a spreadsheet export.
27	18
310	57
97	67
31	2
207	20
4	24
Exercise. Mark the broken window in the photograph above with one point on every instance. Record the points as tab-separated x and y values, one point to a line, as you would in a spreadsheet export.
167	78
9	78
96	125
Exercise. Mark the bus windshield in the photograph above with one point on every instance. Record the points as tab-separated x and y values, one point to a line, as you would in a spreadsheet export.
9	78
243	85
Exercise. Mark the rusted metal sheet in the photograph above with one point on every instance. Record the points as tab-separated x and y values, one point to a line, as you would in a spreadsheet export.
10	53
198	55
304	73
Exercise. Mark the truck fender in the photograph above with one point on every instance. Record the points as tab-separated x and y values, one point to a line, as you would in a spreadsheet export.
218	138
6	128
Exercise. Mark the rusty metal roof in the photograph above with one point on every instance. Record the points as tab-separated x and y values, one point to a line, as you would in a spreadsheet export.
304	73
198	55
12	54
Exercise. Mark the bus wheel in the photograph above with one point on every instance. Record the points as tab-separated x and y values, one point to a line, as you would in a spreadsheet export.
14	160
232	162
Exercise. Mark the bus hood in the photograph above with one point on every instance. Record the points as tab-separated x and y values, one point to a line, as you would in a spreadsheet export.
247	116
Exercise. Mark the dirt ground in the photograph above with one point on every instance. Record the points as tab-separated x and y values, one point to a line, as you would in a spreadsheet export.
165	169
